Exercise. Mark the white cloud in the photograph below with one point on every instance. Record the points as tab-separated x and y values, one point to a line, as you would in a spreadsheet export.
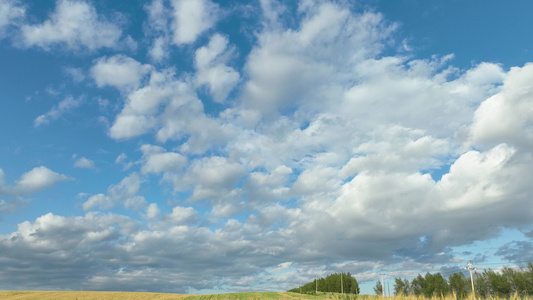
83	162
10	13
211	62
57	111
152	211
159	17
128	126
35	180
182	215
507	117
76	74
171	108
119	71
158	161
310	62
74	25
125	193
333	152
212	176
191	19
100	201
159	50
31	182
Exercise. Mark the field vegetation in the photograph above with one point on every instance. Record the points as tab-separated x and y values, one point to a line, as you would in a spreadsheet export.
41	295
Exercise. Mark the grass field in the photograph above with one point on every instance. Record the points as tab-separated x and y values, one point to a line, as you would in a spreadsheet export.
41	295
38	295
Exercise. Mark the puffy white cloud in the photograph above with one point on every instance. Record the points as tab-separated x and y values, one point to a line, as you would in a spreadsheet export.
57	111
125	192
192	18
212	175
119	71
182	215
127	126
211	62
507	117
157	160
159	17
141	111
307	63
152	211
171	108
329	154
83	162
264	187
35	180
12	204
98	201
10	13
75	25
159	50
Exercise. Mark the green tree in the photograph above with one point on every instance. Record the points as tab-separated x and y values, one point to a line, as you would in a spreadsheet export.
417	285
481	285
401	287
459	285
499	286
378	289
438	284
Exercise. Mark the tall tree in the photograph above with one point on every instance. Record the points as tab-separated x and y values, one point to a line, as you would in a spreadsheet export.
401	287
459	285
378	289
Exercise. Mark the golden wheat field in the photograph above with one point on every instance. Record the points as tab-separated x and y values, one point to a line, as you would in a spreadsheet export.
42	295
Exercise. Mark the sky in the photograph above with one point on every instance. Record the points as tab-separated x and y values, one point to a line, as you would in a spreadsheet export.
201	146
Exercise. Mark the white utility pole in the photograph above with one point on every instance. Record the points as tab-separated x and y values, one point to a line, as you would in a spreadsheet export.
316	286
471	268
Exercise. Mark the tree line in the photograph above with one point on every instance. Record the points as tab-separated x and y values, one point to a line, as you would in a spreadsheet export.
332	283
488	283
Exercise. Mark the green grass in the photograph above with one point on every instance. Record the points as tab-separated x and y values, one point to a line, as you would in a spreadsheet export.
43	295
275	295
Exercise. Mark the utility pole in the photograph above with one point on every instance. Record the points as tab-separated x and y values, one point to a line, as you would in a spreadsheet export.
316	286
471	268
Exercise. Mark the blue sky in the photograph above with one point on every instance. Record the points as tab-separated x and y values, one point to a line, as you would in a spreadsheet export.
198	146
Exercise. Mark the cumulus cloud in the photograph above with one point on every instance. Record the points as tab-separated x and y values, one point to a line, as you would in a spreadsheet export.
324	160
125	193
35	180
171	108
159	16
191	19
75	25
212	175
507	116
152	211
11	12
119	71
157	160
57	111
83	162
211	62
